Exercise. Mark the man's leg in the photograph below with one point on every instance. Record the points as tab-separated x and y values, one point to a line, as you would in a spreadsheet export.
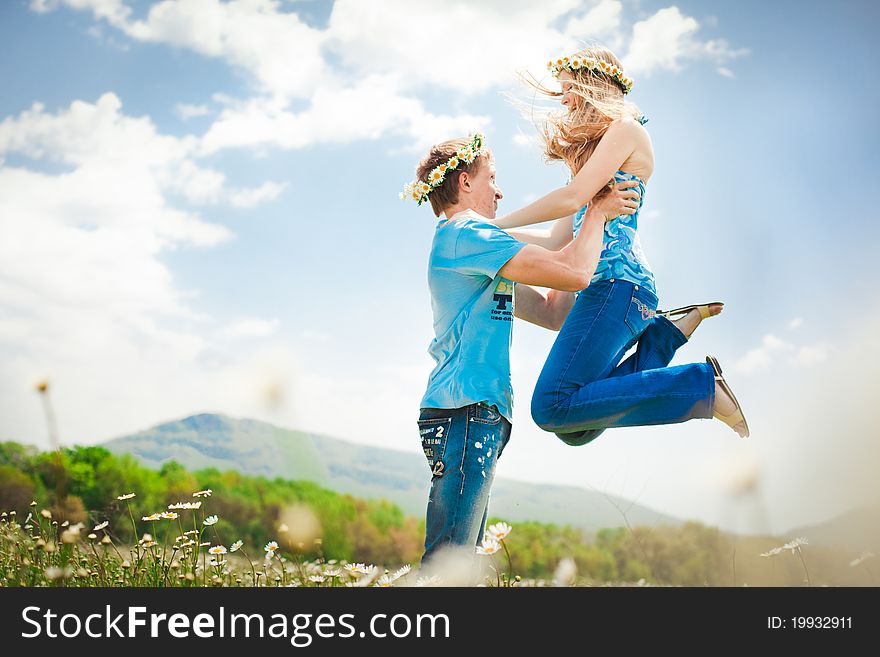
463	469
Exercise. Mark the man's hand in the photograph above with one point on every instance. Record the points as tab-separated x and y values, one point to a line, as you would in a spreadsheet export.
622	199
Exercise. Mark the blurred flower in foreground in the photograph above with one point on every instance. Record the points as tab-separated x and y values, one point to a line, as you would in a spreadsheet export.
862	558
499	531
488	546
565	573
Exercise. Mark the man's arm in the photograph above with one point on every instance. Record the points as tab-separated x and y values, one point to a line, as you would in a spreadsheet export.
571	268
548	312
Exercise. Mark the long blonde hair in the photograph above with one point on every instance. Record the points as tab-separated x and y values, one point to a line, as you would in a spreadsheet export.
571	136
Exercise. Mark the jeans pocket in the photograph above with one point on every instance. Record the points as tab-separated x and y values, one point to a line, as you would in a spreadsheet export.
642	309
434	434
485	414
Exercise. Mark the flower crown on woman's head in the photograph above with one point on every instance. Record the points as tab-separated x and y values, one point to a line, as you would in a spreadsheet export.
418	190
576	62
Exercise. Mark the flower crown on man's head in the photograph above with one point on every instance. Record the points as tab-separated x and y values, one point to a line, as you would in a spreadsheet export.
418	190
576	62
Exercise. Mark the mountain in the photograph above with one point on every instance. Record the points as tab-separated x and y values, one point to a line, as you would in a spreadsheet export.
258	448
856	531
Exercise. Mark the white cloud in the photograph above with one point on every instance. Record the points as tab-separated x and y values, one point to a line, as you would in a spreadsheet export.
725	72
795	323
279	52
379	57
185	111
811	355
248	198
251	327
774	351
666	41
381	109
602	20
413	39
85	295
761	357
526	141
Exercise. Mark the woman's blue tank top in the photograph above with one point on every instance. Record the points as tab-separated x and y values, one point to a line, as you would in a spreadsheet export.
622	256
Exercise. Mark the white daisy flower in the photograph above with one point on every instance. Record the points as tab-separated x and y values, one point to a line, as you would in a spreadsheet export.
101	526
864	556
203	493
271	546
152	517
169	515
235	546
400	572
217	549
316	578
185	505
211	520
795	544
499	531
127	496
488	547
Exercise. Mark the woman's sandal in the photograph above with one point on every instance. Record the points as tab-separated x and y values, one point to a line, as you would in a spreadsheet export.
737	416
702	307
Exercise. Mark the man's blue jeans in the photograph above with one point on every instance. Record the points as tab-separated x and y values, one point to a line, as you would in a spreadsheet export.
584	388
462	446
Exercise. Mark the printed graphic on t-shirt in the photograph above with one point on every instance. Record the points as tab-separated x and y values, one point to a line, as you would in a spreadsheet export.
503	297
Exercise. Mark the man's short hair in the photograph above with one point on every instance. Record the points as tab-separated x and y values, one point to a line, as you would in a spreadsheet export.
446	195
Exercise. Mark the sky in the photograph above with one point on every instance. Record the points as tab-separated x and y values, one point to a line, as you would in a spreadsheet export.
199	213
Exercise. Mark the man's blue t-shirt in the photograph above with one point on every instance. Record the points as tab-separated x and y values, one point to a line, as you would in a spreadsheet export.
473	314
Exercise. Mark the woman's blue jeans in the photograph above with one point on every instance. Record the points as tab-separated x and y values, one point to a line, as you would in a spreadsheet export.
462	446
584	388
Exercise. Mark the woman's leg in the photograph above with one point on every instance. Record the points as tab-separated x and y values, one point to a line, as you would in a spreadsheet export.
575	392
655	348
590	344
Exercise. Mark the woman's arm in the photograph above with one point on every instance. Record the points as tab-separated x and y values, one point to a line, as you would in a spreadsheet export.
615	147
554	239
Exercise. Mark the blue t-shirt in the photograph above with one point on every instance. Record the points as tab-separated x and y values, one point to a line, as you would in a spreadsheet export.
473	314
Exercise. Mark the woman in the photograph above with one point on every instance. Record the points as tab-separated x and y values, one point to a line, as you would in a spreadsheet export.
584	388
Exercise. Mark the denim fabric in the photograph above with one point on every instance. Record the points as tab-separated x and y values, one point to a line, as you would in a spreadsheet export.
462	446
584	389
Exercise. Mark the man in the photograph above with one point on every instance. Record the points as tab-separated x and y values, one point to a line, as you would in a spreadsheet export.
473	272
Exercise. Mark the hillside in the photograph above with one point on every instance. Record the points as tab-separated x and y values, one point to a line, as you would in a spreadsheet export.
258	448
